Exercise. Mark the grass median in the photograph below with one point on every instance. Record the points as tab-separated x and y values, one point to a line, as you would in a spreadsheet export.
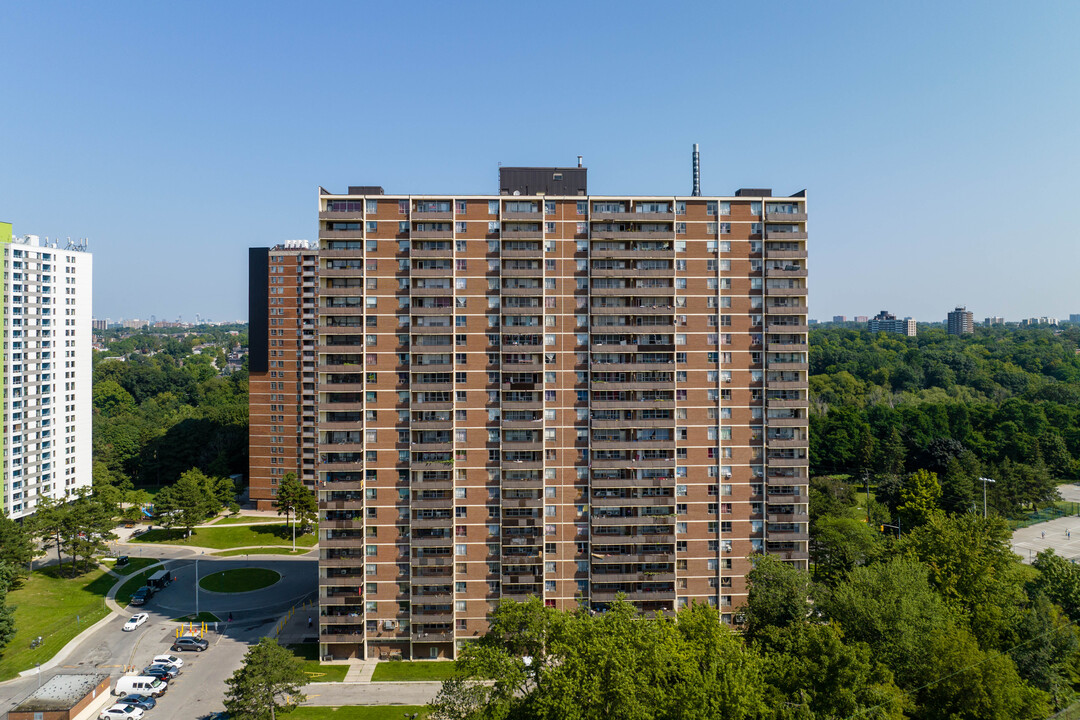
238	580
242	519
201	617
261	551
316	672
358	712
224	538
413	671
55	607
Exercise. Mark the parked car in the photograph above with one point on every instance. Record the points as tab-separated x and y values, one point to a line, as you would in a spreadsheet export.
156	671
171	669
189	643
169	660
122	712
141	596
141	701
136	620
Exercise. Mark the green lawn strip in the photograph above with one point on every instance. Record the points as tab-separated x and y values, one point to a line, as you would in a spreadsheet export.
201	617
238	519
123	595
261	551
224	538
309	653
133	565
358	712
57	609
239	580
414	670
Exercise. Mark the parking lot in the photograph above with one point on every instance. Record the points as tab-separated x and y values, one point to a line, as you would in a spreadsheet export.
200	687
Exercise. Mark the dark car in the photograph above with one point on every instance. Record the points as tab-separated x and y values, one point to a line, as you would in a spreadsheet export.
140	701
189	643
170	671
156	671
141	596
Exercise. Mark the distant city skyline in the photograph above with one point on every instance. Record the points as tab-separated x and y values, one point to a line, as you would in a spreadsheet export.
174	137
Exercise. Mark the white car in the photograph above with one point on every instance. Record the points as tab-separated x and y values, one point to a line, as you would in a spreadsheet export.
122	712
135	621
168	660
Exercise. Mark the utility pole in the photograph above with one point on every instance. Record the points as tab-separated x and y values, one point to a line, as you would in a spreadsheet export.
984	481
866	478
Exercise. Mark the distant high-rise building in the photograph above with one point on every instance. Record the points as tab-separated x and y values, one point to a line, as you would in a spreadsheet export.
960	321
861	318
994	320
46	363
839	318
541	393
887	322
282	395
1074	318
100	324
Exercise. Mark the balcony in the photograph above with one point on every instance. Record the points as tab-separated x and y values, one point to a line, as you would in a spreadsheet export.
439	215
355	216
787	462
787	328
785	347
786	402
780	235
786	291
790	554
787	422
785	217
430	234
357	234
632	216
788	271
635	596
432	637
785	254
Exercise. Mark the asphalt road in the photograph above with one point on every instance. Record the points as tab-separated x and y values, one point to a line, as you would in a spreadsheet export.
200	688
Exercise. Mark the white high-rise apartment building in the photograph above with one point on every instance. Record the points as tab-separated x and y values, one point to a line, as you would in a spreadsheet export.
46	371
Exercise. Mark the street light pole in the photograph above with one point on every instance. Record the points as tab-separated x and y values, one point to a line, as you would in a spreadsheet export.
196	587
984	481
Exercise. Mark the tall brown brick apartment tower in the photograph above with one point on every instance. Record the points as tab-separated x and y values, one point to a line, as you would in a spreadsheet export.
282	307
548	393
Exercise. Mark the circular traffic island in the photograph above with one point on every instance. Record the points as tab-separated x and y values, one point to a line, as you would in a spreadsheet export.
239	580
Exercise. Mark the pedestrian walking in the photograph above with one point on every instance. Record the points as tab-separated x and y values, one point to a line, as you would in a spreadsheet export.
1044	534
309	621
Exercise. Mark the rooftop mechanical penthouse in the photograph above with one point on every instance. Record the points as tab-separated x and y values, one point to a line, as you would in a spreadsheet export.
546	392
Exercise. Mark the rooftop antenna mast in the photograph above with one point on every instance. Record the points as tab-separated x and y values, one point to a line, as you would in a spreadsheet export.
697	172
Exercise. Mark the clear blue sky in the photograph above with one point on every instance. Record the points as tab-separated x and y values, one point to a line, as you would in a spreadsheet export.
938	142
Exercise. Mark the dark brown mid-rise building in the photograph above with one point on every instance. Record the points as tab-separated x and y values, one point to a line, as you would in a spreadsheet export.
545	392
282	316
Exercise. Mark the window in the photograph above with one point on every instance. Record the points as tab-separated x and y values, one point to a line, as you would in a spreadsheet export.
493	207
371	226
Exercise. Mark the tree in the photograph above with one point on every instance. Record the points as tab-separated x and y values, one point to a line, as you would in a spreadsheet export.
16	545
49	524
543	664
307	509
973	568
810	667
91	522
289	492
839	543
892	607
1059	581
8	576
185	503
919	498
269	680
779	595
891	453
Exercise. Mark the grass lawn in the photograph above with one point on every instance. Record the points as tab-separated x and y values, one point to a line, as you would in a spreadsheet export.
309	652
358	712
230	537
262	551
414	670
47	605
230	520
201	617
239	580
123	595
134	564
